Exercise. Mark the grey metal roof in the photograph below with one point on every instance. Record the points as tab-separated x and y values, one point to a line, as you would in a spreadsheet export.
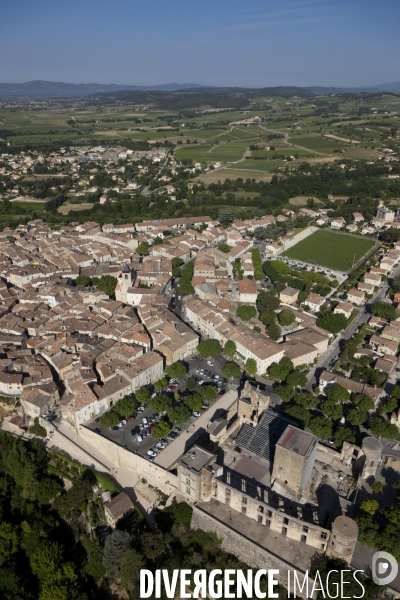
262	439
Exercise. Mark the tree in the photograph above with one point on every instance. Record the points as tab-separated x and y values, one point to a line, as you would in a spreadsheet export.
191	384
370	506
160	384
251	366
160	403
246	312
281	370
377	487
153	544
82	280
321	427
384	310
186	288
297	379
107	284
300	414
332	322
37	429
193	402
343	434
143	249
363	402
337	393
181	414
231	369
176	370
230	349
207	392
274	331
382	428
224	248
8	541
266	301
142	395
286	317
177	262
126	406
357	417
286	392
268	317
332	410
131	564
389	406
209	348
161	430
114	548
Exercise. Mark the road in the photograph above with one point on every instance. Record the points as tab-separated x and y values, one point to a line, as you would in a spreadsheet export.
144	191
335	348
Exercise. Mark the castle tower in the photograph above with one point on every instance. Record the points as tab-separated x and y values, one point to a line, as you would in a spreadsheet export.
372	448
125	281
343	538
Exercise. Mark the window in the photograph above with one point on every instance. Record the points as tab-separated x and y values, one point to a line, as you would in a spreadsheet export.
305	529
269	513
228	477
304	539
260	509
244	510
324	535
267	523
188	481
260	519
322	546
284	531
188	490
243	485
244	500
285	521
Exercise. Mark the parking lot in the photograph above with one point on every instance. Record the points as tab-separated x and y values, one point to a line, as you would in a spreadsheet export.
124	436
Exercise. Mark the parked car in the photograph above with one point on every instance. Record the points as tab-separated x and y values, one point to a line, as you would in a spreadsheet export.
149	457
196	413
177	430
171	436
140	409
145	422
131	418
209	362
151	452
139	439
97	430
172	388
135	430
147	431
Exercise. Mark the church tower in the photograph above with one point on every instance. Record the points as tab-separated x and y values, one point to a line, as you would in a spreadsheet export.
125	281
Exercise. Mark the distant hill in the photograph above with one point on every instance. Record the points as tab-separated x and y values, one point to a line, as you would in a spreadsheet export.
51	89
394	88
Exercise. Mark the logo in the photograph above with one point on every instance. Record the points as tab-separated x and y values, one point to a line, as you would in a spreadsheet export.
384	568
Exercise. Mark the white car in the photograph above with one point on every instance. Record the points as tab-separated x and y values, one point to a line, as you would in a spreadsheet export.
139	439
209	362
151	452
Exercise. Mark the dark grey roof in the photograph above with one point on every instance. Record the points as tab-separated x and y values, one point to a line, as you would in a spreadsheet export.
262	439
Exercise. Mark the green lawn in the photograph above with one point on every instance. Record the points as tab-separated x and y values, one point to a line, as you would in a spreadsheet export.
332	250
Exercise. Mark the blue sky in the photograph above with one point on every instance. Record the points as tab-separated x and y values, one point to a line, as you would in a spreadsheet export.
251	43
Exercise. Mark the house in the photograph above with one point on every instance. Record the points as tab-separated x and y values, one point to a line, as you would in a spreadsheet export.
352	228
356	297
385	214
327	379
338	223
386	364
314	302
358	217
382	345
373	279
366	287
289	295
368	230
390	332
247	289
117	508
104	198
344	308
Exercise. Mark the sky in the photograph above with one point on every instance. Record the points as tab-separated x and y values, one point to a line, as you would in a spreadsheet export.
246	43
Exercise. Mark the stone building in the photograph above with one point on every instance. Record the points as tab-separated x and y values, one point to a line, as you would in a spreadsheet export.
294	458
117	508
343	538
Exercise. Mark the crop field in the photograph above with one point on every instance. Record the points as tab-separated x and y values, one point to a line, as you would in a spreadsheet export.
332	250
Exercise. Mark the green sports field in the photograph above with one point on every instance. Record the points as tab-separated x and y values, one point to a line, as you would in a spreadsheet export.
332	250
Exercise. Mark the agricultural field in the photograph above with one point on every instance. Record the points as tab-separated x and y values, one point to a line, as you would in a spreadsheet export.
329	249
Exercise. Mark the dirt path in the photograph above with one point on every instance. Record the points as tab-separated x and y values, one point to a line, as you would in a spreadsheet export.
290	144
336	137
